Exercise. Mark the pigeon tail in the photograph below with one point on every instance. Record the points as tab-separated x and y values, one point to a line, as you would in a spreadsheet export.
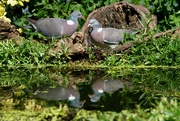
26	27
32	22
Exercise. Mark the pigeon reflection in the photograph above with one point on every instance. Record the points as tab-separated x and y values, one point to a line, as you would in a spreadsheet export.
100	86
60	93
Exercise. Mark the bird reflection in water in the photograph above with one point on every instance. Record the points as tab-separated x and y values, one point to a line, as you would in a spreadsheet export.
60	93
100	86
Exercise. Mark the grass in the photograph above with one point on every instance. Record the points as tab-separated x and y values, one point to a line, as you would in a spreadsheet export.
163	51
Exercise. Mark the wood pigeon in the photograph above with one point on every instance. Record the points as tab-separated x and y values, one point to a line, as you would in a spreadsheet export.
107	37
60	93
56	27
100	86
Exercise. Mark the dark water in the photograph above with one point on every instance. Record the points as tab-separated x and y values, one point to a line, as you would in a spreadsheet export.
97	89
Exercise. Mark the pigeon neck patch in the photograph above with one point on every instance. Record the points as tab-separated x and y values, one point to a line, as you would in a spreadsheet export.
70	22
99	30
71	97
100	91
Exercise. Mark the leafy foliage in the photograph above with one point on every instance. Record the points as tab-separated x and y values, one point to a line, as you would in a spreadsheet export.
5	3
166	11
162	51
165	110
26	53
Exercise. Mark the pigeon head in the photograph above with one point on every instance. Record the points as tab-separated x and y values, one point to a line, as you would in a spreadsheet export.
76	15
94	24
76	103
95	97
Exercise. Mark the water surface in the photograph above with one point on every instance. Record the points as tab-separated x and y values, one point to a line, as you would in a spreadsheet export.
97	89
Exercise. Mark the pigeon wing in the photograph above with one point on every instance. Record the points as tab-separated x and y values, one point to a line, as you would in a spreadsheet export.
33	23
51	27
114	36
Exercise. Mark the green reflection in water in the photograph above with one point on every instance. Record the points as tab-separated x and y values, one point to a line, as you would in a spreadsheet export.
141	87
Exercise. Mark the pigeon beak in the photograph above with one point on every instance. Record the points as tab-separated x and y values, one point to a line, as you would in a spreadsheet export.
89	25
90	96
82	17
84	101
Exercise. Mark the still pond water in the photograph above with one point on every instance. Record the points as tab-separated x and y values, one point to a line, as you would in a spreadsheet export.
90	89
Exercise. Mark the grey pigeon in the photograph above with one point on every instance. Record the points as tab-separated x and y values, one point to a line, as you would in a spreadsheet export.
106	37
60	93
100	86
57	27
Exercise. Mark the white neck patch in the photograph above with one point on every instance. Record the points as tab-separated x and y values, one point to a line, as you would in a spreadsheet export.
71	97
100	91
99	30
70	22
